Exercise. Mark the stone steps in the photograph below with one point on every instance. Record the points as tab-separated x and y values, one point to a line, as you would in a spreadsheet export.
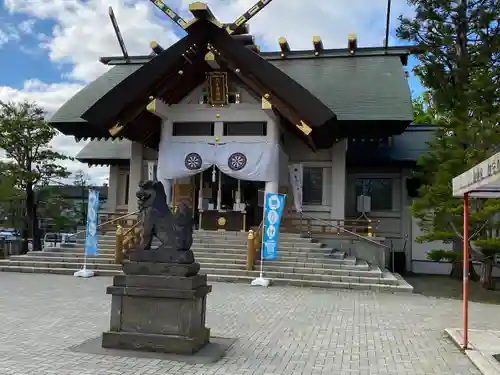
215	268
232	244
222	256
348	276
348	263
243	279
362	269
237	248
319	257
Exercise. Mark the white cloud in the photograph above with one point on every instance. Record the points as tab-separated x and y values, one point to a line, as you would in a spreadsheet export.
83	32
49	96
299	20
27	27
8	33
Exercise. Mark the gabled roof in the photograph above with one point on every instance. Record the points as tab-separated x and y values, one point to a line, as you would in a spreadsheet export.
68	118
402	149
101	152
370	88
369	93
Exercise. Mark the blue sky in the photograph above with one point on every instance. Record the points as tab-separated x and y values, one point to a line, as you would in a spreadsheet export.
23	59
49	49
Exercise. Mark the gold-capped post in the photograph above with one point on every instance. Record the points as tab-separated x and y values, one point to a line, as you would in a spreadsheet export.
253	47
211	61
317	44
201	11
265	103
156	47
284	46
304	128
151	107
115	130
352	43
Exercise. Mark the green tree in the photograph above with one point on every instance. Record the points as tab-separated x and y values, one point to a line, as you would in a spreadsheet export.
423	111
60	213
459	67
81	182
10	197
25	137
8	190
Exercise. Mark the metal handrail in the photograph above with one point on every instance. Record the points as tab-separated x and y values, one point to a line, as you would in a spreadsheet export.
102	224
346	230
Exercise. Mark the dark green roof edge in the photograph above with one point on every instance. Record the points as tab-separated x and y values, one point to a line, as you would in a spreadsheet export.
89	94
374	102
401	51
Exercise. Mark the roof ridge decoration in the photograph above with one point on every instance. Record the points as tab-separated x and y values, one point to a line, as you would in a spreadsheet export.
177	70
202	11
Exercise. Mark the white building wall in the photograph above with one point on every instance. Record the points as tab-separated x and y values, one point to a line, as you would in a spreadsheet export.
248	110
111	203
299	153
389	220
338	182
136	174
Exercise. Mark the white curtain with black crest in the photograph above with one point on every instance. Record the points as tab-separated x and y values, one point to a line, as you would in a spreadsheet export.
253	161
248	161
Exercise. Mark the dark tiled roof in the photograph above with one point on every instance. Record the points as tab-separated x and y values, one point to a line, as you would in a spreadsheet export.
86	97
96	151
371	88
365	88
68	117
404	148
413	142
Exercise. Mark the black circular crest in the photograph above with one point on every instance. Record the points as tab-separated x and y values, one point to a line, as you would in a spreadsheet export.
237	161
193	161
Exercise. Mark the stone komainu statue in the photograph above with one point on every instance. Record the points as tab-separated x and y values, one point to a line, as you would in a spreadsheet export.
174	232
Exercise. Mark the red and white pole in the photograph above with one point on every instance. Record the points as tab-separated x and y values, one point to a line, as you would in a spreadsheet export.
466	271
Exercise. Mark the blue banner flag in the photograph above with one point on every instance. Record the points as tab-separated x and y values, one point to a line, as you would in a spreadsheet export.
273	210
92	218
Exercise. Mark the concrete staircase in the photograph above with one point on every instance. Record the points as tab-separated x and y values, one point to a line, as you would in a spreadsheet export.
222	255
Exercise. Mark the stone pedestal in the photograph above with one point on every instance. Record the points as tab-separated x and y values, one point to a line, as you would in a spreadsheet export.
158	307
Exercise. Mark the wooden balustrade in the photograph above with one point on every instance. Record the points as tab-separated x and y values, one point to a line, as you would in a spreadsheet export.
250	250
326	227
254	243
112	219
126	241
119	245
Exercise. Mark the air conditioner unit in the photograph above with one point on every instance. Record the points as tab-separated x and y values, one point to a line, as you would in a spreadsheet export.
363	204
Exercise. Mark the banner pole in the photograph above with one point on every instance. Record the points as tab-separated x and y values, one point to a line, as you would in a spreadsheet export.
260	281
93	206
262	241
85	259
